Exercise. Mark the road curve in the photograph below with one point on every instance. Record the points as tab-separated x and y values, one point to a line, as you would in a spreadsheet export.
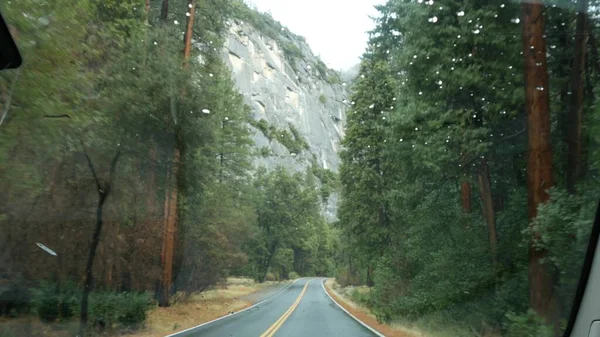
302	309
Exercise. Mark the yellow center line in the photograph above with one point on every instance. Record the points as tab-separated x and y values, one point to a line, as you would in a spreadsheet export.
273	328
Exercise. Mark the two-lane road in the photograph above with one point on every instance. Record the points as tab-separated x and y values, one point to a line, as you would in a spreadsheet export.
302	309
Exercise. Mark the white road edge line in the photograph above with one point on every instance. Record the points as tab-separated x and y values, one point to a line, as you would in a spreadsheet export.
349	314
235	313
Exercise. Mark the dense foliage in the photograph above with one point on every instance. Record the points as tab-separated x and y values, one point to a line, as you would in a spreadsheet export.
127	170
434	175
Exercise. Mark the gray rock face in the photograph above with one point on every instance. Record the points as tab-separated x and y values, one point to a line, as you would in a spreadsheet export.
282	95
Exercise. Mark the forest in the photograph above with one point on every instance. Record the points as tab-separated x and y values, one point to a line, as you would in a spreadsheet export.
469	173
127	171
467	187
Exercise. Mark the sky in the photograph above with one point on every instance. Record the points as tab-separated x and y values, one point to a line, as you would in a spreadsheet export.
336	30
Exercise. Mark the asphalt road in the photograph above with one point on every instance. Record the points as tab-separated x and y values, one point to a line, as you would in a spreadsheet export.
302	309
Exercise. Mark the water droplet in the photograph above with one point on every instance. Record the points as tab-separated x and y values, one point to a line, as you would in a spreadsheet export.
46	249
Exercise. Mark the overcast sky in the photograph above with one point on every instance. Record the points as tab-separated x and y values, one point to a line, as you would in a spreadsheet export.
334	29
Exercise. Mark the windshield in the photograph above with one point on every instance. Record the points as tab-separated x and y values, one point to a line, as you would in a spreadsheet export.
430	165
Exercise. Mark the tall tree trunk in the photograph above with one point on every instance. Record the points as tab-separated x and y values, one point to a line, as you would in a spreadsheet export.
164	10
485	190
465	196
574	117
170	223
189	31
147	9
267	263
103	190
539	165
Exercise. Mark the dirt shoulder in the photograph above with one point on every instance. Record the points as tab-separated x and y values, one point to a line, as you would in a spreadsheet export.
206	306
365	315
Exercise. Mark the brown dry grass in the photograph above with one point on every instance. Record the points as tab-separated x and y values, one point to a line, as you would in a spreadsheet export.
200	308
365	315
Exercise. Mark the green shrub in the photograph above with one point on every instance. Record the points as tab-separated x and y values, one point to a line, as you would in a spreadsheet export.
293	275
301	142
112	309
527	325
263	126
52	302
272	277
265	151
322	99
329	181
361	297
106	309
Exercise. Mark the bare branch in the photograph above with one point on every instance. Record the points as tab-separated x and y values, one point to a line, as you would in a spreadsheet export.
91	166
57	116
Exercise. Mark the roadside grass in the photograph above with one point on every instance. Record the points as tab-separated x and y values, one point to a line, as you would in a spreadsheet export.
356	298
200	308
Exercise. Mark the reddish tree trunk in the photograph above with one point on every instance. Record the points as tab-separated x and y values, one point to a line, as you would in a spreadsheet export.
539	165
574	117
170	218
189	30
465	196
485	190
